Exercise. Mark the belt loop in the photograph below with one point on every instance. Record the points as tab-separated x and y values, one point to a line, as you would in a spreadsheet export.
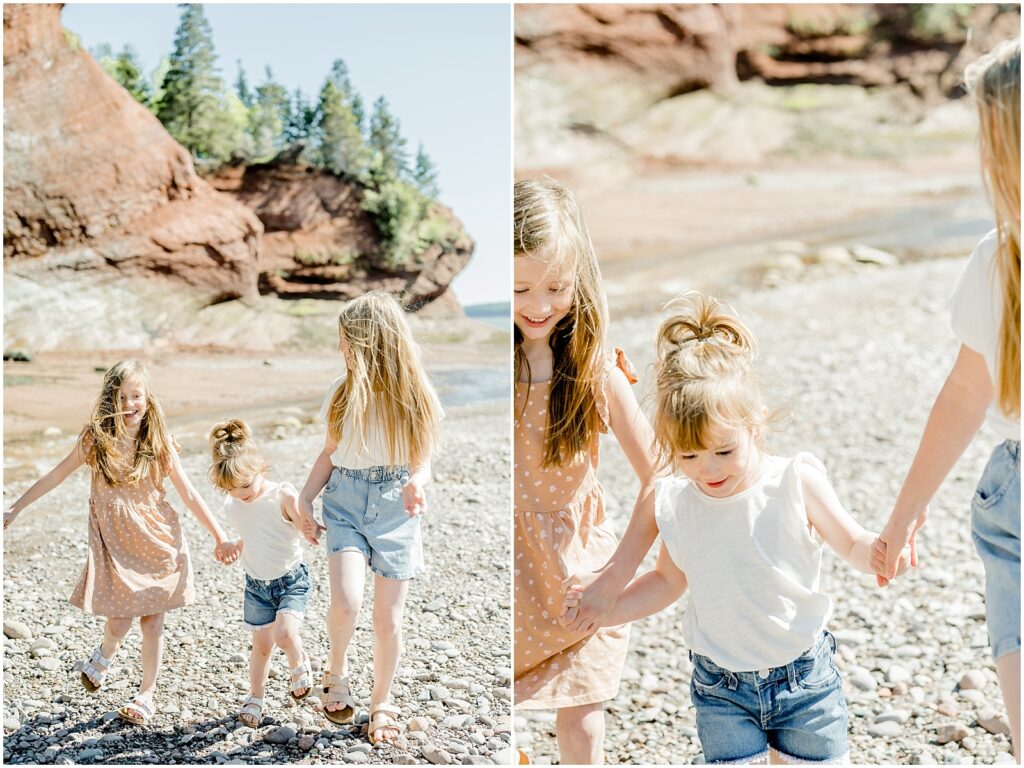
690	654
791	676
732	681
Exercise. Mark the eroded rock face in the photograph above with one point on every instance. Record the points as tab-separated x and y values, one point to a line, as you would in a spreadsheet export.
319	243
92	181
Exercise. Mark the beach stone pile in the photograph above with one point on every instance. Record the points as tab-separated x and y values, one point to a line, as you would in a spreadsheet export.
454	680
858	359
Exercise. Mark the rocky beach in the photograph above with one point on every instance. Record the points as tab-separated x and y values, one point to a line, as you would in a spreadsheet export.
453	684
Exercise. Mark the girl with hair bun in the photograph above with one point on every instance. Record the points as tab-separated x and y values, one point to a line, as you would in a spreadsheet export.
743	530
277	583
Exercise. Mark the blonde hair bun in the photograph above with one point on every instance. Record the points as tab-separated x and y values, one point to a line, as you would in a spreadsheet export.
703	325
234	454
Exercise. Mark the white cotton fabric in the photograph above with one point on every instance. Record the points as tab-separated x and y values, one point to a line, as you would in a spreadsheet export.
752	563
272	545
352	451
977	313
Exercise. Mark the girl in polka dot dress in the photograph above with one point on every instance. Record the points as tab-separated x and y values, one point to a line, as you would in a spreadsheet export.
138	562
569	388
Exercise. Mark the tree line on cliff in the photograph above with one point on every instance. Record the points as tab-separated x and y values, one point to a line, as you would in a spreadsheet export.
219	124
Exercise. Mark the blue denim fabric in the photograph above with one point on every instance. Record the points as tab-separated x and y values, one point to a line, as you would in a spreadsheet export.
265	599
364	511
995	528
798	709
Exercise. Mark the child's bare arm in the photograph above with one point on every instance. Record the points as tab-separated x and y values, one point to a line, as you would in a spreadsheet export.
194	501
47	482
836	526
652	592
634	435
413	497
303	521
319	474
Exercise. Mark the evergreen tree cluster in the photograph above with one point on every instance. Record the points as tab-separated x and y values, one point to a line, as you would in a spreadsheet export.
219	124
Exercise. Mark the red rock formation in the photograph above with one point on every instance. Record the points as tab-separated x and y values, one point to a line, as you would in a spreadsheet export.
91	178
319	243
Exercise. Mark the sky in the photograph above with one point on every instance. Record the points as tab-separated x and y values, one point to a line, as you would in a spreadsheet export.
445	71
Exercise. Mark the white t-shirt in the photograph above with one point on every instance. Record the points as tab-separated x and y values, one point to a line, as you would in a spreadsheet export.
354	453
272	545
977	309
752	565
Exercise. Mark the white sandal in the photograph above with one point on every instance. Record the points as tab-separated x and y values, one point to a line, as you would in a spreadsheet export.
138	712
94	670
335	690
383	716
304	680
253	707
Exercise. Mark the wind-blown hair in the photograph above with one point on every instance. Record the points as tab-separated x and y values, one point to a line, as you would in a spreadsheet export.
105	434
385	373
994	81
548	224
705	377
235	457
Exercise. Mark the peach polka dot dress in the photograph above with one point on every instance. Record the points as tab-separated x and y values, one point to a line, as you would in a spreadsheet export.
560	530
138	561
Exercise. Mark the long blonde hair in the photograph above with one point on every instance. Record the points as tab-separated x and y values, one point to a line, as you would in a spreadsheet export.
548	223
994	80
705	377
235	457
385	373
104	436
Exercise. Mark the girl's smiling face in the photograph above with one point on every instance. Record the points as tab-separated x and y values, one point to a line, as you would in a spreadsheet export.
729	465
132	401
543	296
249	490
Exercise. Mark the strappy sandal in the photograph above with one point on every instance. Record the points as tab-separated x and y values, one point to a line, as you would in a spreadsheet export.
94	670
335	690
383	716
305	680
138	712
252	707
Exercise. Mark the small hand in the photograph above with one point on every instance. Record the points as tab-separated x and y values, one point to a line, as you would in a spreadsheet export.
583	603
895	538
414	499
310	528
9	518
228	552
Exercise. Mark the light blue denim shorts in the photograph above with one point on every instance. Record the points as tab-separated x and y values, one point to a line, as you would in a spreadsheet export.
264	599
364	512
995	528
798	709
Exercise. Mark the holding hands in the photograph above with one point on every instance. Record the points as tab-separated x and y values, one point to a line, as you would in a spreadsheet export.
895	549
9	518
227	552
584	603
414	498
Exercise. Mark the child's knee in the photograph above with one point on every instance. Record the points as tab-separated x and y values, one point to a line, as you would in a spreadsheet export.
119	625
284	637
152	625
345	607
387	623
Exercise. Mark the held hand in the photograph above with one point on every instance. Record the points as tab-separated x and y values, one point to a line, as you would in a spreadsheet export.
414	498
227	552
584	603
309	527
894	539
9	518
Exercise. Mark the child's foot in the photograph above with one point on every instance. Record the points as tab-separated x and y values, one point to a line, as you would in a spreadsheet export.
383	727
302	680
138	712
94	670
339	706
251	713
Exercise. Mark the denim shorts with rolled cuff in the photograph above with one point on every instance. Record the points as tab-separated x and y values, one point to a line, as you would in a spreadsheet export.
798	710
364	511
265	599
995	528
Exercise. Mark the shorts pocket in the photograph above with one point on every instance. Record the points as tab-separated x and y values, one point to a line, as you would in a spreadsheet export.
815	674
333	480
995	480
706	680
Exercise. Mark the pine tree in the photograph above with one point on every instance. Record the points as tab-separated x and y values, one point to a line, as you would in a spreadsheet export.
425	174
194	106
242	87
391	160
340	146
301	122
268	117
125	68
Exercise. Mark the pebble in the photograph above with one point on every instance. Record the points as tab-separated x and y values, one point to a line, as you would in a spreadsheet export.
281	735
885	729
49	663
89	754
17	630
994	722
894	715
436	756
975	679
863	680
948	732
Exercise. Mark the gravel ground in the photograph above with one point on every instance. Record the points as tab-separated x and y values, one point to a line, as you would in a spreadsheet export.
858	357
454	677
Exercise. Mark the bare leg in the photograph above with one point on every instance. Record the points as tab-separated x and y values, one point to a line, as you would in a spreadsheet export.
259	660
286	637
580	732
152	627
348	574
388	606
114	632
1008	670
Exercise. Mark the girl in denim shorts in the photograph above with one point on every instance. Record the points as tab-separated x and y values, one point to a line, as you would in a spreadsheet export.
383	419
277	584
744	531
985	377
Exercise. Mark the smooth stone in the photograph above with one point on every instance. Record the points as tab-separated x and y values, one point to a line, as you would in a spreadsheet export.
363	746
885	729
975	679
306	743
994	722
436	756
89	754
17	630
502	757
948	732
863	680
419	724
44	643
897	674
865	254
49	663
355	757
281	735
11	724
894	715
924	757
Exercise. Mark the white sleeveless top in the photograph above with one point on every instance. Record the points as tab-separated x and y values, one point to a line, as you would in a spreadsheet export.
273	546
752	564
